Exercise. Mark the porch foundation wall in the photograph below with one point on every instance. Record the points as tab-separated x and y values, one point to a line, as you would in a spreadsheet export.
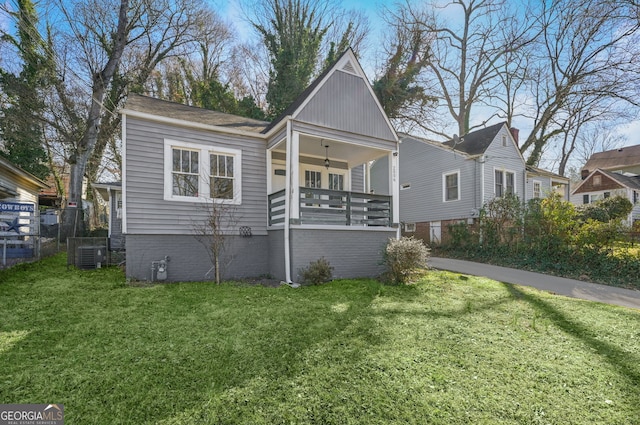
244	257
352	253
276	254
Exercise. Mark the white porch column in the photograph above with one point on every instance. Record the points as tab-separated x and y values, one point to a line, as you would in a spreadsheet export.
294	173
394	186
269	172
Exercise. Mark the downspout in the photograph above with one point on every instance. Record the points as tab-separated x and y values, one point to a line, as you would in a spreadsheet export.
287	206
482	161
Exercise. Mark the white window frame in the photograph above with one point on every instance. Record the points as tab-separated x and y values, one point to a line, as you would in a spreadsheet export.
410	227
504	181
539	184
504	140
204	169
444	185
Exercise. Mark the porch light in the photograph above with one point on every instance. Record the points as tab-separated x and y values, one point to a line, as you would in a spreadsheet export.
327	163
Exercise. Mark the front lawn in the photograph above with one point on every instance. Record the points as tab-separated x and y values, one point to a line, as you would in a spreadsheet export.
447	350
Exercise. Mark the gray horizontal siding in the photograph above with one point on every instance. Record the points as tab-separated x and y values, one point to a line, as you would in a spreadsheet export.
189	260
147	211
116	241
422	166
357	179
506	158
379	176
352	253
344	102
545	187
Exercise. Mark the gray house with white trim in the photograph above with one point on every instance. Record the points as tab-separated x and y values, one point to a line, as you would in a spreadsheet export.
445	183
297	188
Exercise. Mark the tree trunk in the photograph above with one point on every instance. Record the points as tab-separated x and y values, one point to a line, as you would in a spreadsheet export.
100	83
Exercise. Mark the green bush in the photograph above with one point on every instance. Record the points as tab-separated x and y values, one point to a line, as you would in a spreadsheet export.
403	257
613	208
319	271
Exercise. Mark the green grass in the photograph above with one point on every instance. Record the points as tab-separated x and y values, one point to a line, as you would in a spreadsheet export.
447	350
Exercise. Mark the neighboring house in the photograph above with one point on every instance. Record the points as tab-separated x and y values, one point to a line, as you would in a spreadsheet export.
446	183
296	187
19	218
614	172
112	193
624	160
600	184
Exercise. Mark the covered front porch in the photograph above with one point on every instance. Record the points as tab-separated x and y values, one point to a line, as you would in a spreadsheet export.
324	181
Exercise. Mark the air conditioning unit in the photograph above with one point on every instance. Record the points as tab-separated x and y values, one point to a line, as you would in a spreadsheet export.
91	257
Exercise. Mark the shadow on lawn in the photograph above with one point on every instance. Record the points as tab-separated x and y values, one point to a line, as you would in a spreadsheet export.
626	364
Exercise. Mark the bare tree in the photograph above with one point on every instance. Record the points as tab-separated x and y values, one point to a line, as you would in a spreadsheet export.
585	56
463	70
100	57
214	231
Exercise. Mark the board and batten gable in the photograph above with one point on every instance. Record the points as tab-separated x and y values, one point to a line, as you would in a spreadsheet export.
505	158
357	111
423	166
147	210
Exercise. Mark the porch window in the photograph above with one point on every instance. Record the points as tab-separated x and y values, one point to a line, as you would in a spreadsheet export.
312	179
336	182
185	172
451	186
222	177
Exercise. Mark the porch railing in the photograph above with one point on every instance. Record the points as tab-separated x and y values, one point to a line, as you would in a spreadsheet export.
335	207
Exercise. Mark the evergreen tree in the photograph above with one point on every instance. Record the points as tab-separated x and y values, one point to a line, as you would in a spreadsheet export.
21	132
293	35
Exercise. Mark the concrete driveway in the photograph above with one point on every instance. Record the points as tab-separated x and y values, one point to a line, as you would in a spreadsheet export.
559	285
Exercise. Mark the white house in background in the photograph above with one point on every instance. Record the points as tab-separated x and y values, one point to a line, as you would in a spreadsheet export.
297	186
446	183
19	212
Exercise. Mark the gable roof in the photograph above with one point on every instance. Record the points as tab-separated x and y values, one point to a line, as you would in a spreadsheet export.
305	93
476	142
436	144
348	63
165	108
7	166
631	182
615	158
541	172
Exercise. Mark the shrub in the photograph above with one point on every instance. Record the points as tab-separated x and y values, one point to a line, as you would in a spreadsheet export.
613	208
403	257
319	271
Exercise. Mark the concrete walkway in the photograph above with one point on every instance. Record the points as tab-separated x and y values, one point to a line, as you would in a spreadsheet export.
559	285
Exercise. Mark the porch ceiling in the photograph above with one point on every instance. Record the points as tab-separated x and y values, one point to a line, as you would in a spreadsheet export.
338	151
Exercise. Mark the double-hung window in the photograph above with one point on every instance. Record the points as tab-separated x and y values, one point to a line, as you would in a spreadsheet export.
499	181
505	183
509	182
451	186
222	176
537	189
201	173
185	174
